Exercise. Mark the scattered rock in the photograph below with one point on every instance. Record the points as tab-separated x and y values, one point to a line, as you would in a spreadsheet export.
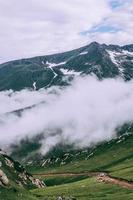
65	198
38	183
3	179
16	173
59	198
9	163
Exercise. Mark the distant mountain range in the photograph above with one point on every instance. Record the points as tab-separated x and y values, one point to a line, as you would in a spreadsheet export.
103	60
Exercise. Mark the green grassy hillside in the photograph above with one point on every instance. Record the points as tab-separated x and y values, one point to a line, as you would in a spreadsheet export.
88	189
114	157
15	182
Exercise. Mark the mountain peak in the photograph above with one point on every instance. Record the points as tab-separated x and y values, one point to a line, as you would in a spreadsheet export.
94	44
103	60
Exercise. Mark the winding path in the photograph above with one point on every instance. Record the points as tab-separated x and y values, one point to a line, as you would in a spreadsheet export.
100	176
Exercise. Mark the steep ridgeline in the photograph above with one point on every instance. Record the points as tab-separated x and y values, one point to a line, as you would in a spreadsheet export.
13	175
102	60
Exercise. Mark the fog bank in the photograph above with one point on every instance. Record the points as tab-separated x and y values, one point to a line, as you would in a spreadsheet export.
85	113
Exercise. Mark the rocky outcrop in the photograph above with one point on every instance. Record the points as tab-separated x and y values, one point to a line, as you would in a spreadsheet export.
12	171
25	177
38	183
4	181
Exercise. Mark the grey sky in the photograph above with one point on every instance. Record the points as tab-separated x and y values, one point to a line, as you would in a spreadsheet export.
37	27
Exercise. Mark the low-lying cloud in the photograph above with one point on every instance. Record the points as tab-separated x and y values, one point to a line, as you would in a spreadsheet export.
83	114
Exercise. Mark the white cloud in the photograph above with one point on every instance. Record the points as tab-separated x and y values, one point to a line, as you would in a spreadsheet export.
120	18
35	27
120	37
85	113
38	27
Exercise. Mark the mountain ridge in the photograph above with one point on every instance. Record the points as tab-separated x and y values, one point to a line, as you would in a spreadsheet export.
112	156
129	46
104	61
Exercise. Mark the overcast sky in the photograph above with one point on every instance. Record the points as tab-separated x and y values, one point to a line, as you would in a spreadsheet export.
38	27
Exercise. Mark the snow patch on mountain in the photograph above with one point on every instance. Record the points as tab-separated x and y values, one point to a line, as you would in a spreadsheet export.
43	62
69	72
113	56
128	53
55	75
34	85
83	53
118	57
86	63
55	64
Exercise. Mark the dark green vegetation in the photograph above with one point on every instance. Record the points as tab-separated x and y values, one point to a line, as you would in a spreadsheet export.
91	59
61	179
84	190
27	148
114	157
15	182
16	193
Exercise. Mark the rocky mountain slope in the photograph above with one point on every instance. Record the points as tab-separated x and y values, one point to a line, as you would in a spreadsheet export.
102	60
12	173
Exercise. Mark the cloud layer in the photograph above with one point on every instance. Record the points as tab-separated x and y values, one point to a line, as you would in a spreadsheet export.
38	27
83	114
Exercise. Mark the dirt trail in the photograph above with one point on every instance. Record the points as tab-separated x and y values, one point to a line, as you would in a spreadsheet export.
115	181
61	174
100	176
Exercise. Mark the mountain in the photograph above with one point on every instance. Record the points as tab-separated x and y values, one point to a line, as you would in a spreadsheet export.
100	59
15	181
13	172
102	171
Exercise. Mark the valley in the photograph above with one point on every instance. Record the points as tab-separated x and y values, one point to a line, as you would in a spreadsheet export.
44	164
